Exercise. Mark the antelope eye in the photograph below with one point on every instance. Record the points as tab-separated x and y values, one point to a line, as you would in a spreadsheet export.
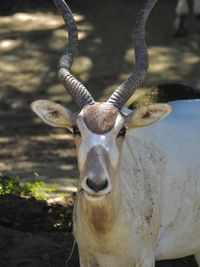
76	131
122	132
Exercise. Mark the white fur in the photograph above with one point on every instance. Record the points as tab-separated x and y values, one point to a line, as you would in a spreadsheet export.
90	139
157	201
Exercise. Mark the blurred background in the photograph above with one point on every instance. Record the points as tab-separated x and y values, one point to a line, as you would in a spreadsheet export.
33	37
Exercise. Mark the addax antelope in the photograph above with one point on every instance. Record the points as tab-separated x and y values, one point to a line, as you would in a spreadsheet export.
138	197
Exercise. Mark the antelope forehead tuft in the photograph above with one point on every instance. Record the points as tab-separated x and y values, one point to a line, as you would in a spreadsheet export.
100	118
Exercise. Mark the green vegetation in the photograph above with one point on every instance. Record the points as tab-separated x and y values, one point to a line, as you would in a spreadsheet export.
24	206
37	189
146	97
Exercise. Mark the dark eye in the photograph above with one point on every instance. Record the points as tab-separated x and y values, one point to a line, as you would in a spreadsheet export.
76	131
122	132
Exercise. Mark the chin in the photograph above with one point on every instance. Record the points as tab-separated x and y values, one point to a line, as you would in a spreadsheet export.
92	196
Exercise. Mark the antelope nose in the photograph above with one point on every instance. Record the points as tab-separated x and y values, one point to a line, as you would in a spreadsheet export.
96	185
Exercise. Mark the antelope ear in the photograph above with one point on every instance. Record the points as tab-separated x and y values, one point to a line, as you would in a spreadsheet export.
53	114
148	115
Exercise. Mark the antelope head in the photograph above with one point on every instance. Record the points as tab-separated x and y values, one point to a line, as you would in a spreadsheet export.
100	128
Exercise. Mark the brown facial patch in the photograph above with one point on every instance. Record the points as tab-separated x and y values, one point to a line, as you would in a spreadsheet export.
100	118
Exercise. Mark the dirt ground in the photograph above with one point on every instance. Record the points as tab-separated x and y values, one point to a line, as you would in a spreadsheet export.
30	46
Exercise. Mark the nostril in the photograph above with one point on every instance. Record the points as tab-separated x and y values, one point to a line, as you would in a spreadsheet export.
96	185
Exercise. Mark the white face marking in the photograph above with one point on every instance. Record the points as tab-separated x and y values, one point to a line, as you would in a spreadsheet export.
107	141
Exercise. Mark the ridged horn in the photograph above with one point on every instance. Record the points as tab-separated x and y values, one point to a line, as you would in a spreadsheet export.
75	88
128	87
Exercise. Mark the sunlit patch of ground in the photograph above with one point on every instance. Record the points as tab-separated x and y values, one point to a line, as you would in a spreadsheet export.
172	64
30	46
